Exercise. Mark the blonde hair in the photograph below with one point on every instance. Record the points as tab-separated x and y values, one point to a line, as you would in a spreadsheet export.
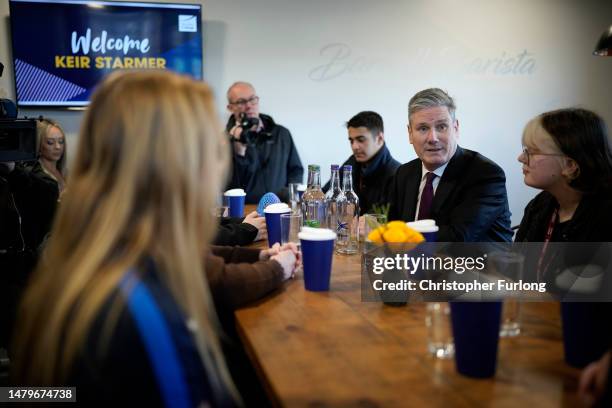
534	135
43	126
150	161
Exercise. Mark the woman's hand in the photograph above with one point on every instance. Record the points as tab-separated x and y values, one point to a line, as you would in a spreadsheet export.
266	254
593	380
258	222
288	261
288	256
290	246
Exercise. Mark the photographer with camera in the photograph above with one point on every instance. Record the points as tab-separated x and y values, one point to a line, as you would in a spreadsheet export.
27	207
264	157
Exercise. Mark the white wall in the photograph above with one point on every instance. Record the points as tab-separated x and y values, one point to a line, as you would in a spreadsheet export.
316	63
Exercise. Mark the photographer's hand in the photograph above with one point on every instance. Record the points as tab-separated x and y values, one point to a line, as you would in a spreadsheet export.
239	148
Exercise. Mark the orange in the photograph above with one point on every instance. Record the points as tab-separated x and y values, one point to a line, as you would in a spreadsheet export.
394	235
376	236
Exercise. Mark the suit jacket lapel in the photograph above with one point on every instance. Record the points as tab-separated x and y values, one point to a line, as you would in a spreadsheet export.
448	180
412	191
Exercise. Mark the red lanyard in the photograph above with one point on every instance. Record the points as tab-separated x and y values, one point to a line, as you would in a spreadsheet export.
547	237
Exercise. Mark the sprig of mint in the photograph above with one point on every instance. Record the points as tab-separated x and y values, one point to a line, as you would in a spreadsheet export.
380	209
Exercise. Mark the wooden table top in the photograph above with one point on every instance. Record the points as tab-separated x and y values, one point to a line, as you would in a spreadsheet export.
332	349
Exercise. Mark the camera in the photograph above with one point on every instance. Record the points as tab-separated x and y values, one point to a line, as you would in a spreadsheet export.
17	136
245	123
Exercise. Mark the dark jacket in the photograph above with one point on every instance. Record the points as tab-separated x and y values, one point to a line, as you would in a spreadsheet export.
37	169
470	203
371	182
232	231
270	163
237	277
126	373
27	208
592	221
35	196
583	240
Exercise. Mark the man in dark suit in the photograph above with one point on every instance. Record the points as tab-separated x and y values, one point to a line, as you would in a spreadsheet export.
462	190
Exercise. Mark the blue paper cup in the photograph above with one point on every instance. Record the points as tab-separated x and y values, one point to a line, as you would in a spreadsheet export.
427	227
273	213
235	200
586	335
317	254
476	334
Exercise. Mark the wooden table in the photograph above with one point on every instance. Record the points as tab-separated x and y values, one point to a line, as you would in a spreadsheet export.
331	349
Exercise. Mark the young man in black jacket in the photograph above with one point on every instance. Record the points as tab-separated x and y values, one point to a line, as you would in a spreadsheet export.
264	157
373	165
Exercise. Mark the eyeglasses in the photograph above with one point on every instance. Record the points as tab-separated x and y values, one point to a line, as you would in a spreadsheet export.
253	100
528	154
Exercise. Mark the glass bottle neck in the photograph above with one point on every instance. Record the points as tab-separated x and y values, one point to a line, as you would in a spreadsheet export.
314	179
335	180
347	181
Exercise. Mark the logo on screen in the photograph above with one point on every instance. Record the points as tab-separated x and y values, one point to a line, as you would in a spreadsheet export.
187	24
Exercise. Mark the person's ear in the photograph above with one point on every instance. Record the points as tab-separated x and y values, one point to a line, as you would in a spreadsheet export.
456	126
380	138
410	134
571	169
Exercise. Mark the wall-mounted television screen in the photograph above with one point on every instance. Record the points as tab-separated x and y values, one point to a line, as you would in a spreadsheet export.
63	48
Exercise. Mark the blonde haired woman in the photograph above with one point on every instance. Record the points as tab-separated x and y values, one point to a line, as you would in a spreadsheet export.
51	162
121	307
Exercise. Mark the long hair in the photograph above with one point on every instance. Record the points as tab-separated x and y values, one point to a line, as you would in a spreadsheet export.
583	136
43	126
150	161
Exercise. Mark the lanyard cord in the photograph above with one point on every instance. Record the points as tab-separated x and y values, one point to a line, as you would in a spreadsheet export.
549	232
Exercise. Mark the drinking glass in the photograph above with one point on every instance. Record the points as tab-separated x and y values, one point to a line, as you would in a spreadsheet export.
510	266
371	222
294	197
291	223
439	330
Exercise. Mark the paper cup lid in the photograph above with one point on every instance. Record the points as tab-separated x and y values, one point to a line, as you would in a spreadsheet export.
423	226
423	223
236	192
277	208
425	229
316	234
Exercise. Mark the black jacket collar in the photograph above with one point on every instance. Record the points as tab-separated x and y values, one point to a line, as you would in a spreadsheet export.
382	157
